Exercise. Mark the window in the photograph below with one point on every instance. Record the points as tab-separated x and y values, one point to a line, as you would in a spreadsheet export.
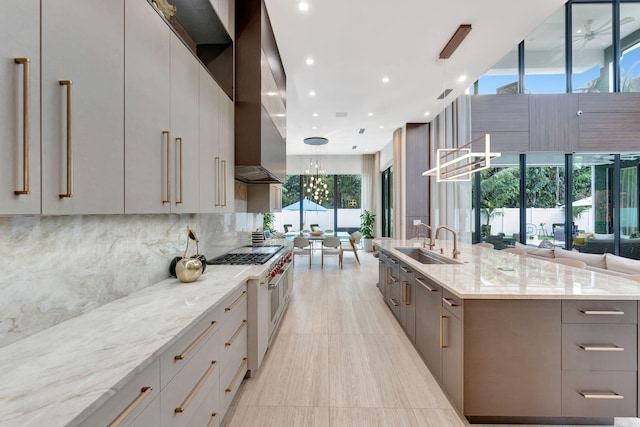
501	78
629	44
592	48
387	203
544	57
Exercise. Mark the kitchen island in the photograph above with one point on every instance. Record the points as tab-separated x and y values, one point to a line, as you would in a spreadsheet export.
515	339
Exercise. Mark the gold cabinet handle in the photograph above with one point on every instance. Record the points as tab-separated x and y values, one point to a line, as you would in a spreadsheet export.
224	181
602	312
212	421
444	343
235	377
233	338
600	395
69	192
217	159
168	167
195	342
180	409
449	302
406	270
144	392
600	347
26	123
393	279
423	283
179	142
236	301
394	302
404	292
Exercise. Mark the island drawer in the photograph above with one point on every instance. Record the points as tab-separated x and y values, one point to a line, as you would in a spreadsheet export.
601	311
598	394
452	303
233	303
599	347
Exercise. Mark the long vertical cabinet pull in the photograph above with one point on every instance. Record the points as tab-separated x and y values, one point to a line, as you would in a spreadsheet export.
26	123
224	182
444	325
179	142
168	198
217	159
144	392
69	192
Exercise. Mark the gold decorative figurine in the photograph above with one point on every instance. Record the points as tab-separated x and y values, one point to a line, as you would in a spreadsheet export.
189	269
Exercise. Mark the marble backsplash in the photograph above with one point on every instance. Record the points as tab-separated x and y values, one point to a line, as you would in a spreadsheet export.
60	267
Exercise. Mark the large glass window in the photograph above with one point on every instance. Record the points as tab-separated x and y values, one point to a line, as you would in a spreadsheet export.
544	57
591	47
387	202
501	78
500	202
629	47
630	198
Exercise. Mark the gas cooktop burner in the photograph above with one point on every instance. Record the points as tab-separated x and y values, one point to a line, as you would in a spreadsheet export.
247	255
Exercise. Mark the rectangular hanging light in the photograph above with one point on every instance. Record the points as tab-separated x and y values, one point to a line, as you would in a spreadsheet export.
457	164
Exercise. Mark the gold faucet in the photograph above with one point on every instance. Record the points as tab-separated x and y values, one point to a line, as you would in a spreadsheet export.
456	252
432	242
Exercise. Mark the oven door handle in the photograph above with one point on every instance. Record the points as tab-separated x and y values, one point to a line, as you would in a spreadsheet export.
274	285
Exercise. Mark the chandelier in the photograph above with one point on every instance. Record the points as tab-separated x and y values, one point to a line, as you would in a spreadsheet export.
315	186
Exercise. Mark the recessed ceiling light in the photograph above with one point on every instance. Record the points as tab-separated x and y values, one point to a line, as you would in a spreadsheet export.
312	93
314	127
309	61
315	114
303	6
280	115
381	127
427	113
385	79
462	78
272	93
370	114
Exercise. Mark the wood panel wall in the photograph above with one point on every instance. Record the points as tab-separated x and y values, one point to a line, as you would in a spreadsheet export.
418	161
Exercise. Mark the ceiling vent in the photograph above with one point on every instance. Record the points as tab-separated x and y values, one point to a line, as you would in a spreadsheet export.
341	114
354	147
444	94
361	131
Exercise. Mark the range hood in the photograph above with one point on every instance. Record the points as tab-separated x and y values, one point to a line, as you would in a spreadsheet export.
260	148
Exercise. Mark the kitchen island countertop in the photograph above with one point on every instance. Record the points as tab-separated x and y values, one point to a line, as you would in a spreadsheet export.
484	273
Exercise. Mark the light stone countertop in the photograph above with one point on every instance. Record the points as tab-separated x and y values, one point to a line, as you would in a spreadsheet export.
491	274
59	376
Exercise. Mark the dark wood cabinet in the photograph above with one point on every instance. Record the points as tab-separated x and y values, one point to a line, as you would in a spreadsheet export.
382	273
427	299
452	358
407	304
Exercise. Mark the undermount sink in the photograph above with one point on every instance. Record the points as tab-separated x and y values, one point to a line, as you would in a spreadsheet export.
425	257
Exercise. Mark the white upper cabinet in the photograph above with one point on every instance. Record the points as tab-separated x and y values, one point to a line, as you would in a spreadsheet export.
148	137
20	107
184	127
216	147
161	116
82	106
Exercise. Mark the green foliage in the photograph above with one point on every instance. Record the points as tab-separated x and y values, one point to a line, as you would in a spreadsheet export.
267	222
366	225
348	196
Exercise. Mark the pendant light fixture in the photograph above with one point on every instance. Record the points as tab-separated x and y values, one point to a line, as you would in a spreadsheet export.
315	186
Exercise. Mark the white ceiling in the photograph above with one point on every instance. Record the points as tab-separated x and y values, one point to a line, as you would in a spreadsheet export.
355	43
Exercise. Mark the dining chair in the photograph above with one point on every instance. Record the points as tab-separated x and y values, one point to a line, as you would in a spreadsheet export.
329	231
571	262
302	246
332	246
352	244
484	245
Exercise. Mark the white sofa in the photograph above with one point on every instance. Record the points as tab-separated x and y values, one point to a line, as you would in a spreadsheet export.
603	263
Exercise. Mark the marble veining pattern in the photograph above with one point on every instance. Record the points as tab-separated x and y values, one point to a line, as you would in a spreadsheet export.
63	373
59	267
488	273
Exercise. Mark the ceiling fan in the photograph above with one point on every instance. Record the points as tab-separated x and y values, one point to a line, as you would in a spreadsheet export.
587	33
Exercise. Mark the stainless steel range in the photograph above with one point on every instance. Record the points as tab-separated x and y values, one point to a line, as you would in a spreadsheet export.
247	255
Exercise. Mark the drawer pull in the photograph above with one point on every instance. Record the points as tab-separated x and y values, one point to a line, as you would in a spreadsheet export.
404	292
394	302
237	300
144	392
196	341
235	377
444	342
69	192
179	142
406	270
233	338
212	421
602	312
168	198
393	261
429	288
600	395
202	380
449	302
393	279
600	347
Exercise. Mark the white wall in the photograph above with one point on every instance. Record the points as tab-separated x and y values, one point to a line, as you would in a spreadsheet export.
509	222
339	165
386	156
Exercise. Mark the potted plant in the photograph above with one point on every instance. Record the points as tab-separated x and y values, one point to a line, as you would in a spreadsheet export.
267	222
366	228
